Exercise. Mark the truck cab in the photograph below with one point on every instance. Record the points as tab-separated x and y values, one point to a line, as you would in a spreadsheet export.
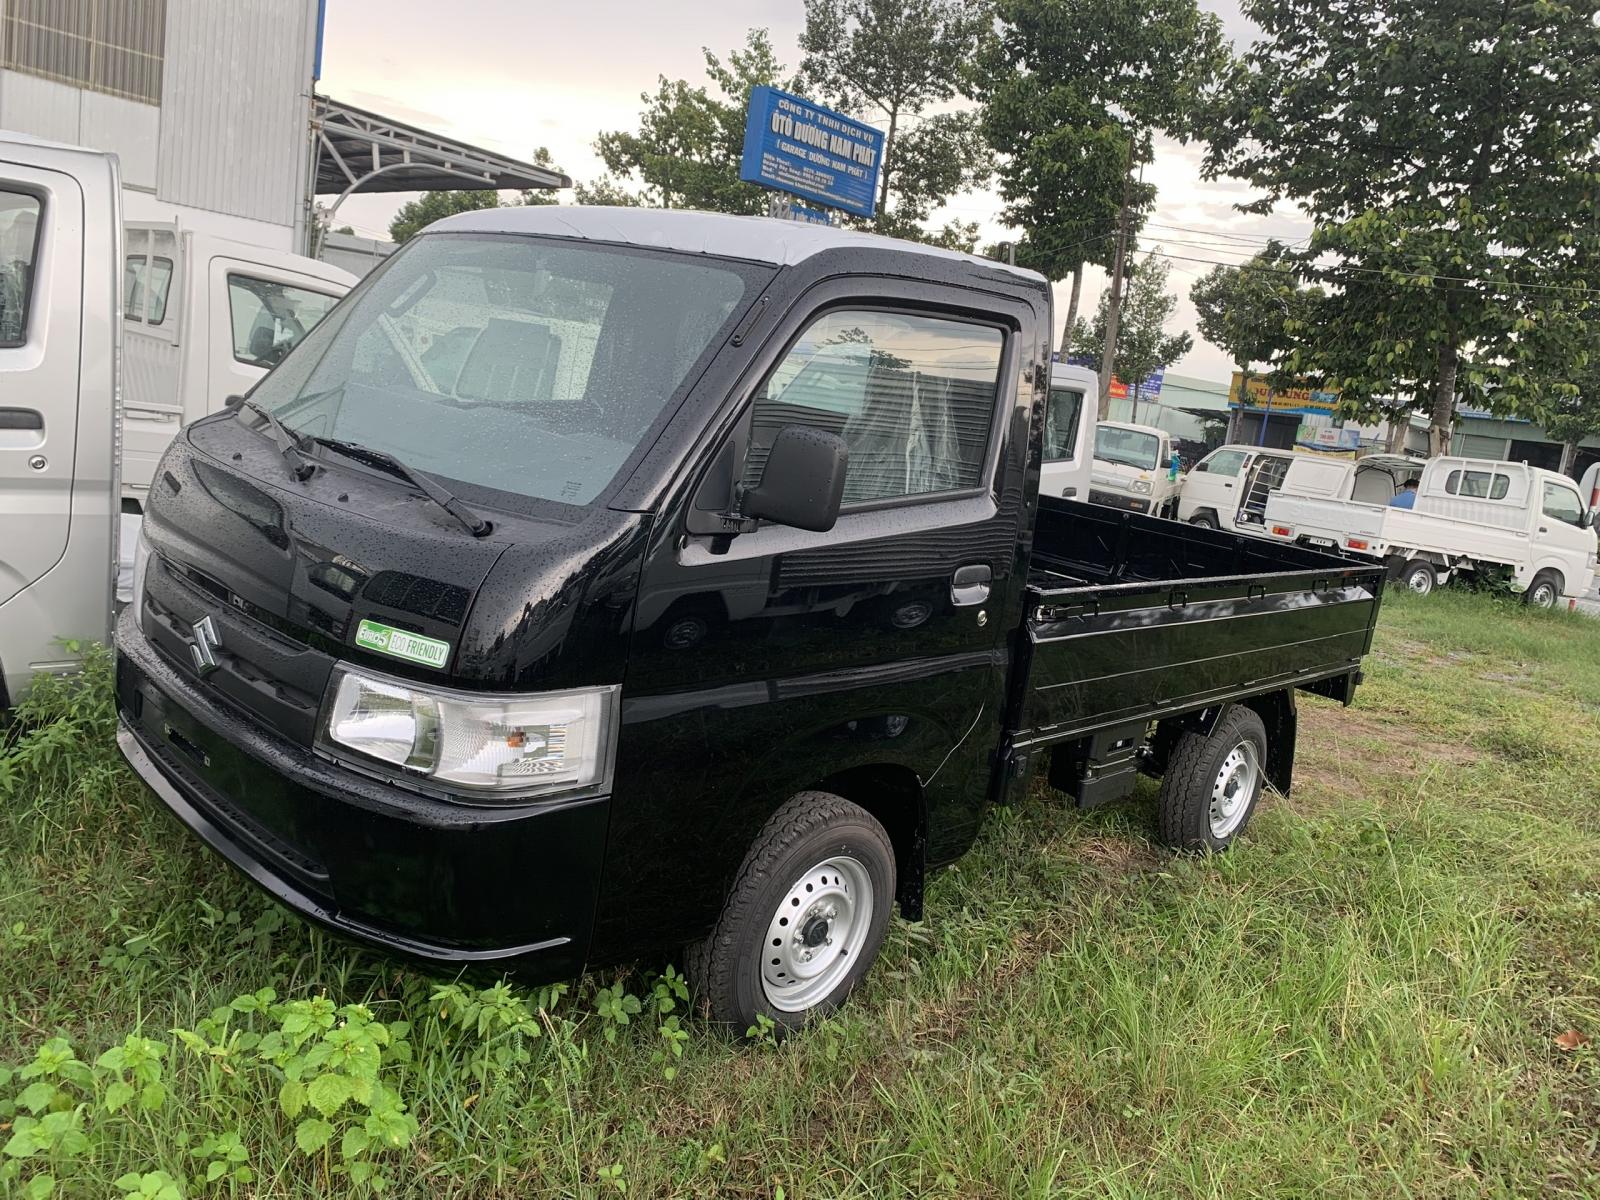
1228	488
60	234
1135	469
1069	422
204	318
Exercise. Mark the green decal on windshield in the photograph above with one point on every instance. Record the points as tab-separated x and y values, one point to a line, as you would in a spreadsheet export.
398	643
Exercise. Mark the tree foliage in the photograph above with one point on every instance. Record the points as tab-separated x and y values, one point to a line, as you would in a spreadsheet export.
1255	312
1143	343
416	215
894	61
686	151
1446	150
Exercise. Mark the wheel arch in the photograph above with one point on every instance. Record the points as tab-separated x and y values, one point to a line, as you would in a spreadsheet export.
894	796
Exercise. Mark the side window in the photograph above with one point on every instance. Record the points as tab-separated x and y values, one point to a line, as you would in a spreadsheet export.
1562	504
1224	462
270	317
19	248
145	284
912	396
1061	423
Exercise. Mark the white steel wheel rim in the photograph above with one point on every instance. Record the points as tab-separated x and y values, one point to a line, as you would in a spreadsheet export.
1234	788
816	934
1544	595
1420	581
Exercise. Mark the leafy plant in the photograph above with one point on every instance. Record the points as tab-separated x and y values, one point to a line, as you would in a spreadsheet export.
226	1157
616	1007
153	1185
135	1068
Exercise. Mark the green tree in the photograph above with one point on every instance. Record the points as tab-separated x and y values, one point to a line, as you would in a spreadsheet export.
605	191
686	151
1446	150
416	215
1074	91
1256	311
892	61
1571	418
1143	345
541	158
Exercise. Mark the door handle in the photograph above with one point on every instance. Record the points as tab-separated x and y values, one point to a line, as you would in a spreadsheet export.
21	418
970	585
1067	493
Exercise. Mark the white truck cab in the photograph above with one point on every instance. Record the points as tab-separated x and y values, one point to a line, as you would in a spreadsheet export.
1068	425
1228	488
1135	469
204	318
60	241
1505	520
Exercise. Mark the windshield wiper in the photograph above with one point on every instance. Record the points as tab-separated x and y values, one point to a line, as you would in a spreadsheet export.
290	446
471	521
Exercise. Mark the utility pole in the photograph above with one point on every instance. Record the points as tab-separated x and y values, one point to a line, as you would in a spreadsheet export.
1108	353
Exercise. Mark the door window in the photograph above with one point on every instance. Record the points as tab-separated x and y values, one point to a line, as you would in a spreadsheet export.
1562	504
1061	423
19	246
1224	462
145	284
912	396
270	317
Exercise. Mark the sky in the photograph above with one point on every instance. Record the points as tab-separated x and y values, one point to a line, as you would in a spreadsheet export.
510	75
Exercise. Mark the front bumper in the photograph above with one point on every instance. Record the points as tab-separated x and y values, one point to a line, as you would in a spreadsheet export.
439	882
1118	500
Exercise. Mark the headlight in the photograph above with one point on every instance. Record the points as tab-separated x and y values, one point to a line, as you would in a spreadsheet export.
1142	486
502	746
141	566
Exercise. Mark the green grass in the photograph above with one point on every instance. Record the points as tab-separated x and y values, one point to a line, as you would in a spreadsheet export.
1363	999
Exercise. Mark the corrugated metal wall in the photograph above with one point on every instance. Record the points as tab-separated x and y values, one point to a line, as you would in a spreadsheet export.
235	106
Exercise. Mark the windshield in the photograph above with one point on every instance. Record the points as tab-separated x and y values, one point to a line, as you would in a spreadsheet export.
530	366
1127	447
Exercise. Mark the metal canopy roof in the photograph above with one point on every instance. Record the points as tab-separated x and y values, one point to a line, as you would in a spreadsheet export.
357	150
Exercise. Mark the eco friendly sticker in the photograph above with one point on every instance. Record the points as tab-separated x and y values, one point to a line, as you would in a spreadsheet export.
398	643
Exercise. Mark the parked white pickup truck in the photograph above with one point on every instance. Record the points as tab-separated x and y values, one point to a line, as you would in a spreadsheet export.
1471	516
1069	423
1135	469
203	319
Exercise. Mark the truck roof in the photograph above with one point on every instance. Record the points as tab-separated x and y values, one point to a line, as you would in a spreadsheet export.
758	239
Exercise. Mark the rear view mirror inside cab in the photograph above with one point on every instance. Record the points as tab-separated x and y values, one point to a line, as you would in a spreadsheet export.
802	482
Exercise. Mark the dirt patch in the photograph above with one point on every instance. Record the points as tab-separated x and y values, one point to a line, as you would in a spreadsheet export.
1341	748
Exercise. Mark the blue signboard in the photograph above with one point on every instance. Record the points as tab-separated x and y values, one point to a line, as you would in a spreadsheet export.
810	214
812	152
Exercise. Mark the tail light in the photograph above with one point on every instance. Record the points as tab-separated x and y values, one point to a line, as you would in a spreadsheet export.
1282	531
1355	543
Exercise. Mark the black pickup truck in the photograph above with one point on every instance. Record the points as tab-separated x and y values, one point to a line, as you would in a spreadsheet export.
597	583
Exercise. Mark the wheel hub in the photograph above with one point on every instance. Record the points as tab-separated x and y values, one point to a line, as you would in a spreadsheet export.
1234	787
816	934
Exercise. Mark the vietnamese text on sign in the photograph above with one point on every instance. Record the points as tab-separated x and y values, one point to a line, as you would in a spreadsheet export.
812	152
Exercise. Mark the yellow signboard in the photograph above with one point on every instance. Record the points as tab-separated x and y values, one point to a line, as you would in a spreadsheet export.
1287	400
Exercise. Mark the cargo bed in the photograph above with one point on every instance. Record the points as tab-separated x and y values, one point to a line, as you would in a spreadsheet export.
1133	618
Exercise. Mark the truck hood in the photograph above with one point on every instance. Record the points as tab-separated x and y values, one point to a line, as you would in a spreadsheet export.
315	560
1117	475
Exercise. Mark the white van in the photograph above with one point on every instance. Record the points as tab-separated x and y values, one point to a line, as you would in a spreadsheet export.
1228	488
204	318
1135	469
60	243
1069	418
1470	516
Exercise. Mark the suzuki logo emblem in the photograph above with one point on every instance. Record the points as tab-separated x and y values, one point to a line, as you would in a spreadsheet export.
203	650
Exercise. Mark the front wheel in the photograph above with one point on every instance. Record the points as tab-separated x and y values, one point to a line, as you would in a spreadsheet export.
1544	591
805	919
1212	783
1419	576
1203	520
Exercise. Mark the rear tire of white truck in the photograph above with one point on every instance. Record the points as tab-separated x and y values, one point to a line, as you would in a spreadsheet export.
1213	783
1544	592
1419	576
804	920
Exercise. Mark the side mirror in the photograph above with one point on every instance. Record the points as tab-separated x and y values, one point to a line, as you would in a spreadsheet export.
1198	469
802	483
1586	521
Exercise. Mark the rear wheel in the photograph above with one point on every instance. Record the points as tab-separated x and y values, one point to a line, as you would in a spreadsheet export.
1212	783
805	919
1419	576
1204	519
1544	591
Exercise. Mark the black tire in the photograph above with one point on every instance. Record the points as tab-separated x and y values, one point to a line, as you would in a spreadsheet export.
1544	592
727	969
1205	519
1418	576
1184	811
